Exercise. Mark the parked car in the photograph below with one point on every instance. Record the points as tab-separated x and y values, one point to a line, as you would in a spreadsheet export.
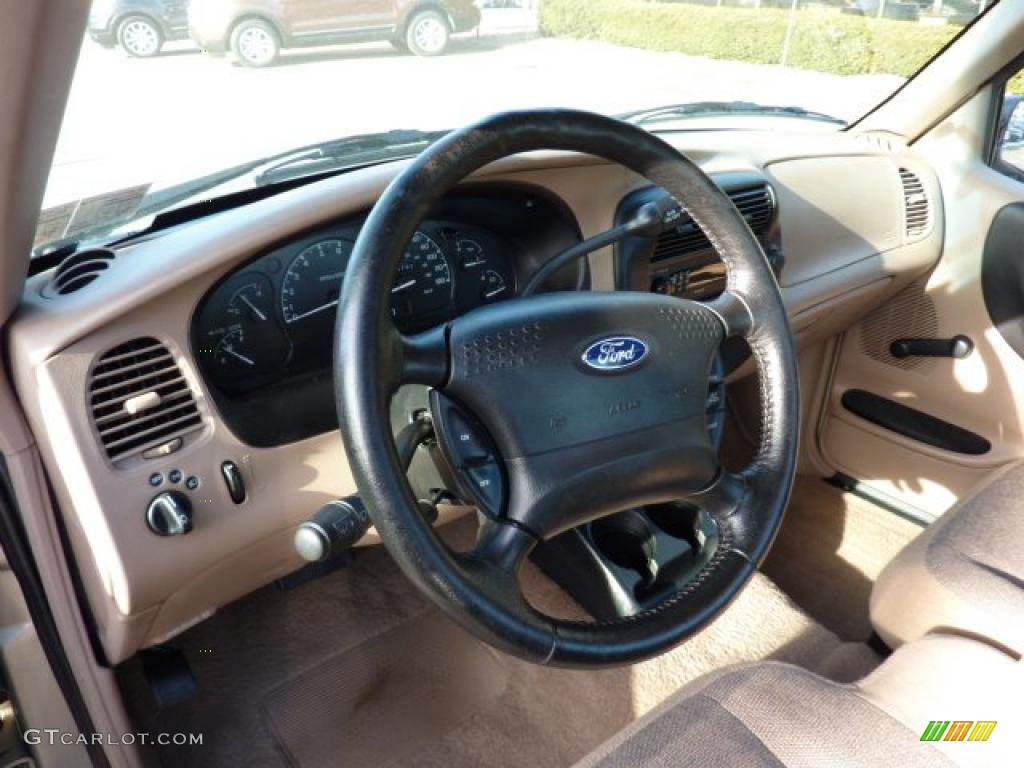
255	31
140	27
894	9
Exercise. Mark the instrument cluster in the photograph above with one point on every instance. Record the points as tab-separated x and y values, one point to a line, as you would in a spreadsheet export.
263	335
276	316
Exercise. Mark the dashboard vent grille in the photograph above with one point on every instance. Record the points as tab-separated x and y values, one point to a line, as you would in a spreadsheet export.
78	270
755	203
915	203
139	398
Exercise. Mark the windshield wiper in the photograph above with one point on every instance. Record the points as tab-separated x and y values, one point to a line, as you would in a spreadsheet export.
704	108
347	152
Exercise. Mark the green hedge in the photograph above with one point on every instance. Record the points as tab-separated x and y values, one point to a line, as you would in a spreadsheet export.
1016	84
823	40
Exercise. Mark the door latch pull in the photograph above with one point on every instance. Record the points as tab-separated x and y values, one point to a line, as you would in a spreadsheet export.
959	347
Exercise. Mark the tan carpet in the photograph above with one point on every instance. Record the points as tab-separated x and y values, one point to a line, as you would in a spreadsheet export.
830	550
357	669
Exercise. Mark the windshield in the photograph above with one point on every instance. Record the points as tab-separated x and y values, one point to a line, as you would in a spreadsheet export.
176	102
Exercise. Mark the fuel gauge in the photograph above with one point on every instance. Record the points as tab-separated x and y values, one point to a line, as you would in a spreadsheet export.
470	253
233	354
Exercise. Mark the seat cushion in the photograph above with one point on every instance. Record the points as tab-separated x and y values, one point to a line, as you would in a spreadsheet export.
774	714
964	573
766	714
946	677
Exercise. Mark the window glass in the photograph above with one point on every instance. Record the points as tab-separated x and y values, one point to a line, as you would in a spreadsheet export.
176	101
1010	143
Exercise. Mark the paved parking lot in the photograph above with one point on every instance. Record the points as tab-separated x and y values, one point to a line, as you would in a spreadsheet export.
184	113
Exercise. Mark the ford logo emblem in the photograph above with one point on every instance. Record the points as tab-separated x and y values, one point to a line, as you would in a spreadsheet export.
615	353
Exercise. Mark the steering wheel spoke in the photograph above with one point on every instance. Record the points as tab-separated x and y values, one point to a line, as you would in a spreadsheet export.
734	313
502	545
723	497
424	357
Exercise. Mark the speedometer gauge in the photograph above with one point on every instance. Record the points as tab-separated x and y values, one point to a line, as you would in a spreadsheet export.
312	282
424	282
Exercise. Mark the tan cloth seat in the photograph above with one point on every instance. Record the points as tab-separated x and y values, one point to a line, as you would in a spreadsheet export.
964	573
772	714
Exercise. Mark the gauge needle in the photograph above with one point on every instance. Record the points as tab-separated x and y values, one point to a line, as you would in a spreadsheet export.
254	308
471	264
240	356
321	308
404	286
495	292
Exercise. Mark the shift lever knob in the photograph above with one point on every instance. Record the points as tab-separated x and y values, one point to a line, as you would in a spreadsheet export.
336	527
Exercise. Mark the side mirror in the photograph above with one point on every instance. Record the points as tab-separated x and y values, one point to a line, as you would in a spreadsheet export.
1011	120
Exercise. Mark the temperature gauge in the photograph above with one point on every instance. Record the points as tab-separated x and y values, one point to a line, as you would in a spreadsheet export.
252	302
493	285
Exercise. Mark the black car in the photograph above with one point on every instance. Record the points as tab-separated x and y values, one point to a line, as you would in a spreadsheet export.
140	27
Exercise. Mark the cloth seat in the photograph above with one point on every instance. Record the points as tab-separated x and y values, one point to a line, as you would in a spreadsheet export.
964	573
774	714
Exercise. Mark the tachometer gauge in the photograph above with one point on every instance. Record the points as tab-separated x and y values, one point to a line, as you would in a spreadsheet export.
493	286
312	282
424	282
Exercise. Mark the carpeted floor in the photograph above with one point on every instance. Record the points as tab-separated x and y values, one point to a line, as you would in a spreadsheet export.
357	669
830	550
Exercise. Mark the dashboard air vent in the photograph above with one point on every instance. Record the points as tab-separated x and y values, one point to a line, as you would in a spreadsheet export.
139	398
755	203
78	270
915	203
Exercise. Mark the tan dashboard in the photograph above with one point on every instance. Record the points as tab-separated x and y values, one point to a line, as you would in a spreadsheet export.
846	241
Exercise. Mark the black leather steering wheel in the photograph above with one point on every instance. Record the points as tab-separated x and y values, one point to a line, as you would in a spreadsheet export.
577	436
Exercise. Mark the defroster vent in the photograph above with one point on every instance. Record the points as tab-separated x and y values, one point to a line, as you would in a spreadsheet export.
140	399
79	270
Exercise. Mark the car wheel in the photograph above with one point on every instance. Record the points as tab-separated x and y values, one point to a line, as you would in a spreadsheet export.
255	43
139	37
427	34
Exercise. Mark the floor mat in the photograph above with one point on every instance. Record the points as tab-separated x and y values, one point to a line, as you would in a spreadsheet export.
343	711
307	648
830	550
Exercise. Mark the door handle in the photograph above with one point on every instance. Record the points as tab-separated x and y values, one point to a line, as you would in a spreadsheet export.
959	346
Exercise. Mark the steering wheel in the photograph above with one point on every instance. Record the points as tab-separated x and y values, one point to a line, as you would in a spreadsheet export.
592	402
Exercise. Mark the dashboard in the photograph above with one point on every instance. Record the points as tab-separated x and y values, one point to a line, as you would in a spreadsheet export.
262	335
219	333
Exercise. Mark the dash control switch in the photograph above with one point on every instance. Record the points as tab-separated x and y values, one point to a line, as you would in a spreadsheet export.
472	454
169	514
233	480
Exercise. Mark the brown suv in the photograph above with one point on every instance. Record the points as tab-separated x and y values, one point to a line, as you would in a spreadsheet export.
256	30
